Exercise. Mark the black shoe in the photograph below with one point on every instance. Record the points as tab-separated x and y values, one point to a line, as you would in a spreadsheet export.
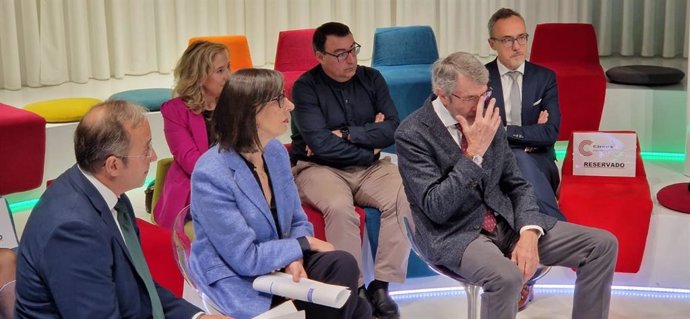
363	295
382	304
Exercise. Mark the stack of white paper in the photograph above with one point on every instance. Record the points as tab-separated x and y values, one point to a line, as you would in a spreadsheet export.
285	310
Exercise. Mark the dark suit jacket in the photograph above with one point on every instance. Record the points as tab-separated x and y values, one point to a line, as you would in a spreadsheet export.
73	262
449	194
539	92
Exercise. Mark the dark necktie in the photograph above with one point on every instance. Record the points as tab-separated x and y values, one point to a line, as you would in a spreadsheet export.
489	222
137	256
515	100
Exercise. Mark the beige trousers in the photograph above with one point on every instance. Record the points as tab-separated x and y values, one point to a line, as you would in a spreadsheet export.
335	192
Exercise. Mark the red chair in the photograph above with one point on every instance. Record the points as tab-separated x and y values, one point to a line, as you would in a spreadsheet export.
315	217
294	56
156	243
570	50
23	145
621	205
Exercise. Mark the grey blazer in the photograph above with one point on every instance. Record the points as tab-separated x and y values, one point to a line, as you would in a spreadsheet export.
449	194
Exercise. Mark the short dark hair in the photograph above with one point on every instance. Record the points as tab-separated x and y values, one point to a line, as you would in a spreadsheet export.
244	95
104	132
329	28
500	14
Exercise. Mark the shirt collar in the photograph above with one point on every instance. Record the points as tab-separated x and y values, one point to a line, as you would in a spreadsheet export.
107	194
502	69
443	113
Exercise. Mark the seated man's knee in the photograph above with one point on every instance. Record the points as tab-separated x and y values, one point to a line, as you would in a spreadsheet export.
508	279
607	241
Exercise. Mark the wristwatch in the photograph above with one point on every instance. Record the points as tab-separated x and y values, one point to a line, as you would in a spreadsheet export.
345	133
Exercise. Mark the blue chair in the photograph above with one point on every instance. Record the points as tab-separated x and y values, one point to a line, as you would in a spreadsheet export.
151	99
404	56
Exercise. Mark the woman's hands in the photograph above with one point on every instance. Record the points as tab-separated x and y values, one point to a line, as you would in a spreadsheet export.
296	269
319	245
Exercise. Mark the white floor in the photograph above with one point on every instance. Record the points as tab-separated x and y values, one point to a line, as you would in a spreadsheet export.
667	256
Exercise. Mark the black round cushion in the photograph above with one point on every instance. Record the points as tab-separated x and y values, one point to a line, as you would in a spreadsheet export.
644	75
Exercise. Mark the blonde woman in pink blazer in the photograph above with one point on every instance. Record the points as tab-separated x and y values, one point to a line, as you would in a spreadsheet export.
200	75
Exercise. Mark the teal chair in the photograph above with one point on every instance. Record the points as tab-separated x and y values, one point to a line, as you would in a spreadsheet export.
151	99
404	56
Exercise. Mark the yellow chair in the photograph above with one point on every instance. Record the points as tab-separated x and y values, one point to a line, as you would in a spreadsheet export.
161	171
237	45
63	110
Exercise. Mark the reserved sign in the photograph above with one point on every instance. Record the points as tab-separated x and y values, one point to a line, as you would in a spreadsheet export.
604	154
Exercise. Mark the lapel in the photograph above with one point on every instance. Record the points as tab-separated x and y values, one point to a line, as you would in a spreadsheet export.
497	86
84	186
439	133
273	162
247	184
198	127
528	91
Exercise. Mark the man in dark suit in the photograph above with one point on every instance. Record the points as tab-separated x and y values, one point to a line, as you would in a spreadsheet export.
80	255
527	97
475	214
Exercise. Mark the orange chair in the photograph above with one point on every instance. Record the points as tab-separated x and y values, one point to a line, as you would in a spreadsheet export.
621	205
294	56
237	45
570	50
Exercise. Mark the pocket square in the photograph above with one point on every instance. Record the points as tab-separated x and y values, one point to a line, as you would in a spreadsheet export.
536	103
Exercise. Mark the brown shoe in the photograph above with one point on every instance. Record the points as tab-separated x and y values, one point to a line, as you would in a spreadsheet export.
526	295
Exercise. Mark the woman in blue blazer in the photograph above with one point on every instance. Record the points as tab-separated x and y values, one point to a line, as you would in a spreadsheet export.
246	210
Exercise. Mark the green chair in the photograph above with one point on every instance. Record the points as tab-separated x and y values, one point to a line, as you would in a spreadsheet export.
161	171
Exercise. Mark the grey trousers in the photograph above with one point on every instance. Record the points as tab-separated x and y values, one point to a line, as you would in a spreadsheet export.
591	251
334	192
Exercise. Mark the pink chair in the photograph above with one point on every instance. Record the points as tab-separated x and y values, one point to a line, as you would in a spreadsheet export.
294	56
570	50
621	205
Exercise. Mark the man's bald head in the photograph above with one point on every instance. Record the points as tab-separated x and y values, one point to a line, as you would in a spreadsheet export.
104	132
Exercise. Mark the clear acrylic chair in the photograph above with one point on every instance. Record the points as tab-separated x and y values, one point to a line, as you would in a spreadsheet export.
182	236
471	289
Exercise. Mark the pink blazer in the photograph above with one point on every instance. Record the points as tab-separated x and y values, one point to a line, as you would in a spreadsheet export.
185	133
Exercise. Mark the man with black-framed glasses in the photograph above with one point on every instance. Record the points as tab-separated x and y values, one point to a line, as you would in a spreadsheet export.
343	117
527	97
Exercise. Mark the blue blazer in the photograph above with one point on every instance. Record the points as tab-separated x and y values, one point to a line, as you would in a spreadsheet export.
235	236
449	194
73	262
539	93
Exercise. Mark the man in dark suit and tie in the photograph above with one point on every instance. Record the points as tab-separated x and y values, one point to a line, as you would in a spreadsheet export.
475	214
527	97
80	256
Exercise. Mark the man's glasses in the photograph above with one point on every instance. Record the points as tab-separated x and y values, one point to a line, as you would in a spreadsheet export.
508	41
148	155
343	55
474	98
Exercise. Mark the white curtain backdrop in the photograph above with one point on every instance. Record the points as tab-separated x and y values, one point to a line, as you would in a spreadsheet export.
48	42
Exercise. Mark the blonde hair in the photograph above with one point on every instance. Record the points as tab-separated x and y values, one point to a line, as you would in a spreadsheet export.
191	71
